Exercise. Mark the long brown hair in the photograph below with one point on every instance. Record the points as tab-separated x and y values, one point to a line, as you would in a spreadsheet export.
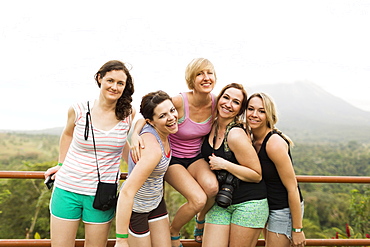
241	114
123	105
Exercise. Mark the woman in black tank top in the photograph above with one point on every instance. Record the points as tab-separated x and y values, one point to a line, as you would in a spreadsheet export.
284	196
241	210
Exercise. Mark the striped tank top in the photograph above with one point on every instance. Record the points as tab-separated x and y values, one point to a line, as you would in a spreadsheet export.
150	194
79	171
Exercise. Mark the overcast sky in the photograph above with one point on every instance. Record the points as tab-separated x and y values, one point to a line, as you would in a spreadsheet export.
50	50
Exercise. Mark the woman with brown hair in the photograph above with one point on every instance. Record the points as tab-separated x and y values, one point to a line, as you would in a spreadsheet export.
105	122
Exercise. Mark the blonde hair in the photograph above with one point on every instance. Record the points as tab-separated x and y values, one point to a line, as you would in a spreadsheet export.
194	67
271	113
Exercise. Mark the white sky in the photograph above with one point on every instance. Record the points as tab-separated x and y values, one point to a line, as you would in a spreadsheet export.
50	50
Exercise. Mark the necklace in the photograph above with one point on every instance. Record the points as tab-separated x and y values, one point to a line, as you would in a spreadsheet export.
216	134
224	135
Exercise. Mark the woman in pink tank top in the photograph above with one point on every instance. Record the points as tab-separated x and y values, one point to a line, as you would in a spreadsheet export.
188	172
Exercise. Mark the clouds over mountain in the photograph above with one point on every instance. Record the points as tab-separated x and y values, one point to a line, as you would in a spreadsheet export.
309	113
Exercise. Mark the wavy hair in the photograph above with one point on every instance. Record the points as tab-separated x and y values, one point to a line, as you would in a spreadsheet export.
241	114
123	105
150	101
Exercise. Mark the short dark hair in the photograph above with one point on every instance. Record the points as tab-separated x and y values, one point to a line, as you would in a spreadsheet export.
150	101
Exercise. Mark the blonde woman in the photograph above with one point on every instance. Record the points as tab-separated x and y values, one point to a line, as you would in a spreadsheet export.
284	227
188	172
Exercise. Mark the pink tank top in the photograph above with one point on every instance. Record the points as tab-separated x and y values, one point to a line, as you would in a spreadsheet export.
186	143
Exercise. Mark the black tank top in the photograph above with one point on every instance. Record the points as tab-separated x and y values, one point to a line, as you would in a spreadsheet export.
277	194
246	191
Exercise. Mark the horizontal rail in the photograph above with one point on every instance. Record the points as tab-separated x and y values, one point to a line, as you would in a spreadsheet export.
190	242
186	242
300	178
33	174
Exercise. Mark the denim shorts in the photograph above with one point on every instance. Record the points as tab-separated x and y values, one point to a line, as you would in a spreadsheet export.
251	214
71	206
280	221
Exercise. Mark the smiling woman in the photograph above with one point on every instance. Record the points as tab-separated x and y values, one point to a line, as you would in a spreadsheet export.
284	227
84	149
241	210
142	217
188	173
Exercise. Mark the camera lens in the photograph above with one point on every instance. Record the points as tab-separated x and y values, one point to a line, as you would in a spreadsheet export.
225	195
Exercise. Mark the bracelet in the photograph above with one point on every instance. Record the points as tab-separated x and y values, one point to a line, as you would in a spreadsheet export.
297	229
60	164
118	235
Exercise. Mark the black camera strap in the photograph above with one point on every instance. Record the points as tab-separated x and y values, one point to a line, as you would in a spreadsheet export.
86	135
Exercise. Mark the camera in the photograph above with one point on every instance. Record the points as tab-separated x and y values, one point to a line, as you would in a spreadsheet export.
49	182
227	183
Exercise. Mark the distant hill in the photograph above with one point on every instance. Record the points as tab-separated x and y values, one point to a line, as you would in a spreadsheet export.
49	131
307	113
310	114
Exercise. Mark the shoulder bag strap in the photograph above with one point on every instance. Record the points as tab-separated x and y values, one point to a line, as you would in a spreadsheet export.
86	135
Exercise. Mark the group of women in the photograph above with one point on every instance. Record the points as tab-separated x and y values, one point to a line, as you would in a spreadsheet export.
223	154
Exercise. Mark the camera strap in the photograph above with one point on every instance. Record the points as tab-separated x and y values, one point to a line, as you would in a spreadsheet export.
226	145
86	135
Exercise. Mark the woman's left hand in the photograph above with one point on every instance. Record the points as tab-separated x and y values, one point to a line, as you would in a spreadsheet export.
298	239
216	163
52	171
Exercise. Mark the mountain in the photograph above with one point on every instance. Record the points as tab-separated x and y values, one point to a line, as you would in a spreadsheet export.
50	131
307	113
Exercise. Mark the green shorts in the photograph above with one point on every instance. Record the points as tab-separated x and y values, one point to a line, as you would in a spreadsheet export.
72	206
251	214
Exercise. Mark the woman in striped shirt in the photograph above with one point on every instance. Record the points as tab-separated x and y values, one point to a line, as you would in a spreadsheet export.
142	218
81	160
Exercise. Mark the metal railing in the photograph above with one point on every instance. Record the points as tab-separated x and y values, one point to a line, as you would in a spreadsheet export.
190	242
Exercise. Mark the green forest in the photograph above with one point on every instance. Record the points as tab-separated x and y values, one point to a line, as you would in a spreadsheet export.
332	210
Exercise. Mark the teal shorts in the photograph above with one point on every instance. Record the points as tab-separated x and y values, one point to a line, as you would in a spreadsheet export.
72	206
252	214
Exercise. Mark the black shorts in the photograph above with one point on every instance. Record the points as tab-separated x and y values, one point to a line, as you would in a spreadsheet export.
139	222
185	162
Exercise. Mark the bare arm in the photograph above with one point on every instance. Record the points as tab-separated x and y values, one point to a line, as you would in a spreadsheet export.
127	146
240	144
179	105
277	150
125	152
144	167
137	143
64	142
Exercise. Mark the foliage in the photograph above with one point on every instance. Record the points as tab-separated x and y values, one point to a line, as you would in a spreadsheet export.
328	207
25	206
17	149
360	211
351	159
